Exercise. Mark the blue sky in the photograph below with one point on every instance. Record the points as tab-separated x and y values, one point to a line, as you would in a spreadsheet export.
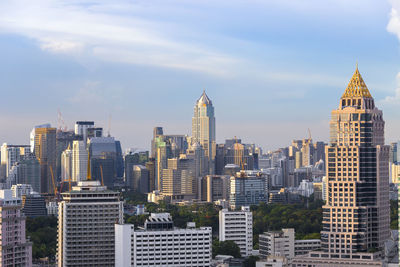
273	69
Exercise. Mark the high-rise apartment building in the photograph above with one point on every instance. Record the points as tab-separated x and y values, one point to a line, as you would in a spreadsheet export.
357	212
238	227
86	218
45	152
203	128
159	243
15	250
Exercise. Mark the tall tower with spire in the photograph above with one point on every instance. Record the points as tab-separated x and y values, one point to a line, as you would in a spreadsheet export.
203	128
356	217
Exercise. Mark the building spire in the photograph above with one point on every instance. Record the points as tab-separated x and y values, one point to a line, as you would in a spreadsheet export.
356	87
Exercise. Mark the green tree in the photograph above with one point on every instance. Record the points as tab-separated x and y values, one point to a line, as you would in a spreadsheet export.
225	248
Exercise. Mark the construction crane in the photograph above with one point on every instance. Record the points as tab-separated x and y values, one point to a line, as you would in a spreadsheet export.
61	124
101	173
54	183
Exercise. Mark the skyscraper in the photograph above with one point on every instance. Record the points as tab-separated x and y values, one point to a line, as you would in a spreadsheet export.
45	152
356	214
203	128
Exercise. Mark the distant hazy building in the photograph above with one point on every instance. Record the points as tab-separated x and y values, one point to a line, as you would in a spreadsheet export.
238	227
139	181
215	187
159	243
27	171
10	155
79	161
104	159
81	129
33	134
66	164
247	189
19	190
151	167
15	249
86	219
179	179
45	152
203	128
34	205
132	158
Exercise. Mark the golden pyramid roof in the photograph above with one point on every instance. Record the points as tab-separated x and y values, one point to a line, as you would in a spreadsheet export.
357	87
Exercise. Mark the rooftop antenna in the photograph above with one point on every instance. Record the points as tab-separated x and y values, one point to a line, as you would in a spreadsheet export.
109	126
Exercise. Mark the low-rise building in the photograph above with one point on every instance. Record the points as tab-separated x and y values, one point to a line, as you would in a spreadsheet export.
283	243
159	243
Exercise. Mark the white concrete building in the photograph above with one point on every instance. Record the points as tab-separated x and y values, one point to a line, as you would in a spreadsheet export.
86	218
277	243
66	164
283	243
160	244
238	227
19	190
79	161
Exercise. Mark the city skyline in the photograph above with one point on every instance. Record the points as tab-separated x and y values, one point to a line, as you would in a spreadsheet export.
74	71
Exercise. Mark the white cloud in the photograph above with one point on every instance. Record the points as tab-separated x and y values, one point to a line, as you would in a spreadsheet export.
394	27
112	32
394	22
395	99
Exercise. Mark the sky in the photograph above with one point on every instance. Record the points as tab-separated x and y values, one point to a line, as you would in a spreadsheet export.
272	68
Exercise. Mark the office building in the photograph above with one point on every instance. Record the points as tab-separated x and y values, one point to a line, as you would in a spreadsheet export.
26	171
45	152
86	218
139	181
33	134
15	249
19	190
283	243
247	188
67	163
33	205
64	141
132	158
238	227
203	128
179	181
79	161
151	167
215	187
81	129
159	243
357	213
277	243
10	155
